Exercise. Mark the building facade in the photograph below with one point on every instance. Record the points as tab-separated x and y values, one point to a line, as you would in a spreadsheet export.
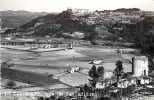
140	66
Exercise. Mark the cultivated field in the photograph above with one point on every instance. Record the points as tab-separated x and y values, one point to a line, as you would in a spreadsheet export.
57	62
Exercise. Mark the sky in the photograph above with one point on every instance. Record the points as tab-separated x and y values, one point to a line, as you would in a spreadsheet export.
60	5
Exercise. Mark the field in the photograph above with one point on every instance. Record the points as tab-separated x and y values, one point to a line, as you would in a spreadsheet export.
56	63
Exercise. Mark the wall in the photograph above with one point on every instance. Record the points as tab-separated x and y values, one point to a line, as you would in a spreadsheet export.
140	66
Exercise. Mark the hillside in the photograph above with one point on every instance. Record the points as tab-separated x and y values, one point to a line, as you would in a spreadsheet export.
125	25
13	19
76	24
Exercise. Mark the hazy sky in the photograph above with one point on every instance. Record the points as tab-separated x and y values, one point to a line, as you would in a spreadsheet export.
59	5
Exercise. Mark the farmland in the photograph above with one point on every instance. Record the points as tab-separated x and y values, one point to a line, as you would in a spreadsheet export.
57	62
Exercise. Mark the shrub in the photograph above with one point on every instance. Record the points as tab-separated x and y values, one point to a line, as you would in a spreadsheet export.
10	84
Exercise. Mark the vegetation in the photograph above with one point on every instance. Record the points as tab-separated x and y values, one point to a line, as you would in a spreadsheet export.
118	70
141	33
11	84
145	39
14	19
55	25
95	74
100	71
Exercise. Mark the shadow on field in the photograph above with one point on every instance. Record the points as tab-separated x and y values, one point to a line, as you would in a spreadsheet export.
29	77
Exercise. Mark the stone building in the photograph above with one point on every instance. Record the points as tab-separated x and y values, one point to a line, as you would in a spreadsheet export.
140	66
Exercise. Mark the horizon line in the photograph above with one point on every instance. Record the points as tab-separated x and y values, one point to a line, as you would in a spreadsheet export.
66	9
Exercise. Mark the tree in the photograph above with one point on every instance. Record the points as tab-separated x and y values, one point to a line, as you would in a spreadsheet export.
93	82
91	33
93	72
100	71
86	88
61	98
11	84
119	69
151	64
96	74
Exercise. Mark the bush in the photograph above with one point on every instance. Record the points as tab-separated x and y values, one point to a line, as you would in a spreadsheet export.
93	72
11	84
61	98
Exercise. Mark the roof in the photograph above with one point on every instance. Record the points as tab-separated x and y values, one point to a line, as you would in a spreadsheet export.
141	58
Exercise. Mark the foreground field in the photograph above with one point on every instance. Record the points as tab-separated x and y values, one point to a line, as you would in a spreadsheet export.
57	62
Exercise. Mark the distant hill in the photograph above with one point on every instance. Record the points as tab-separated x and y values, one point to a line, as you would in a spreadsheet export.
68	22
128	25
108	24
64	24
127	10
13	19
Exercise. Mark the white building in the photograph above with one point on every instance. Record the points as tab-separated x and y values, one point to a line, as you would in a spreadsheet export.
140	66
77	11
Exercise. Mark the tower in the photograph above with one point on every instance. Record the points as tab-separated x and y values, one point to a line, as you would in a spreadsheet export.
140	66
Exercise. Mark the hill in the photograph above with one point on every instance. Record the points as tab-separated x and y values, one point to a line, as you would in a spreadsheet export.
64	24
86	25
13	19
126	25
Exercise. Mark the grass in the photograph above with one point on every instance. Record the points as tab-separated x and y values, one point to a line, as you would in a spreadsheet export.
57	61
